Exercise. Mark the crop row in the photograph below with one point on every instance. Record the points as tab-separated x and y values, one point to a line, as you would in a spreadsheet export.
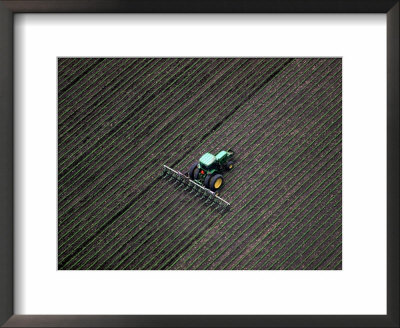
158	147
290	125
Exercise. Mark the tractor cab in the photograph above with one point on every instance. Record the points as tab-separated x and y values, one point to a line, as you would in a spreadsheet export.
208	161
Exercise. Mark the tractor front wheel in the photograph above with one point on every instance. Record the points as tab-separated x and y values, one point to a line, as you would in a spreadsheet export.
194	171
229	165
216	182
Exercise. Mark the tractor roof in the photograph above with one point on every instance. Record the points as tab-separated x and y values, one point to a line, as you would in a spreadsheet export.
207	159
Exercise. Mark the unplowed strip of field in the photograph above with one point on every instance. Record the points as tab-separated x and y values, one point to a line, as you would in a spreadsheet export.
120	120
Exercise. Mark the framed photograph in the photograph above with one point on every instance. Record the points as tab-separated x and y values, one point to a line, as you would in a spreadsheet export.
197	164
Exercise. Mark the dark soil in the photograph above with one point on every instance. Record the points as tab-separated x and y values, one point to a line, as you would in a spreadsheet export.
121	119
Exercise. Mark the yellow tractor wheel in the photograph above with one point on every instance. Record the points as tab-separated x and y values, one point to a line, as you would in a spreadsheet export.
229	165
216	183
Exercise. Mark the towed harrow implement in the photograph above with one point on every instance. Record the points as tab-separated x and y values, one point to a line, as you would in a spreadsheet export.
192	186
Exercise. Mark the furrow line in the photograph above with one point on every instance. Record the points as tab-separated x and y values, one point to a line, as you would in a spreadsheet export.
289	230
64	63
173	140
104	114
271	157
309	255
91	79
304	235
71	74
71	84
301	245
252	169
276	219
235	182
267	161
125	161
327	256
160	243
333	259
145	134
83	109
270	240
273	187
254	172
124	101
153	142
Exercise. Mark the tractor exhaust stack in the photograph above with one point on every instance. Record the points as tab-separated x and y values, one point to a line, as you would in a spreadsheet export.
191	185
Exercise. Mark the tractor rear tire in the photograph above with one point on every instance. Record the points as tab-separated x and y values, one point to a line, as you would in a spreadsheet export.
207	181
194	171
216	182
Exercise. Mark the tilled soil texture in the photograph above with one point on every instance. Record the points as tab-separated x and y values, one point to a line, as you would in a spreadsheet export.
121	119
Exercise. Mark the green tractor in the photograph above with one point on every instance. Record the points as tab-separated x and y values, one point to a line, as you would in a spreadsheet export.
208	170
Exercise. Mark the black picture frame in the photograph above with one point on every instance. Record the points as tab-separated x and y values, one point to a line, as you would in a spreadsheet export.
10	7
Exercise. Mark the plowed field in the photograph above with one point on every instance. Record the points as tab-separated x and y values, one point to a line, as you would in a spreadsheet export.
121	119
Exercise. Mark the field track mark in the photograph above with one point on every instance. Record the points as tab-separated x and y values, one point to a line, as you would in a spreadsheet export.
226	117
80	89
287	243
135	242
244	174
144	84
75	80
158	231
116	128
331	264
158	146
109	222
67	82
299	179
131	169
90	103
